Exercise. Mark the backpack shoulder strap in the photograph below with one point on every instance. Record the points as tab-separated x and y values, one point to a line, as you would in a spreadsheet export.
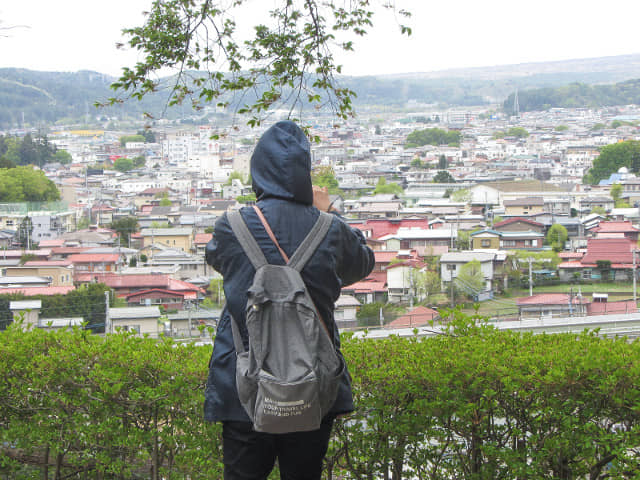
246	239
311	241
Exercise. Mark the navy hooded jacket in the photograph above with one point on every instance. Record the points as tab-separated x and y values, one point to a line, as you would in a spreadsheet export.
281	173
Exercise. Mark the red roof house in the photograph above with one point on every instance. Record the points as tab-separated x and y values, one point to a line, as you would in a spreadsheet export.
95	262
625	228
126	284
158	296
418	317
616	250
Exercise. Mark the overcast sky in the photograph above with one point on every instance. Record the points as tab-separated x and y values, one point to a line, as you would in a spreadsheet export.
71	35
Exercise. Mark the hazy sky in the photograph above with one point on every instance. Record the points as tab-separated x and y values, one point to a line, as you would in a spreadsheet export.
71	35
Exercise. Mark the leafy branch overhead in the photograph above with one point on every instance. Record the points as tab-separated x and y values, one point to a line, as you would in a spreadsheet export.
287	62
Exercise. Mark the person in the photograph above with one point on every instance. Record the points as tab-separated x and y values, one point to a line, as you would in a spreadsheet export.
281	179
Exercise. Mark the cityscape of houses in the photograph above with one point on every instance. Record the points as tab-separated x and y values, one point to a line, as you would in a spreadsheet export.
504	195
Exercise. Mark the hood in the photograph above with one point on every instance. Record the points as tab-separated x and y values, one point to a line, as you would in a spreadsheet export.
281	164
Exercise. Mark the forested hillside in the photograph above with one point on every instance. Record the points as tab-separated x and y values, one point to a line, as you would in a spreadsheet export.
576	95
32	98
38	98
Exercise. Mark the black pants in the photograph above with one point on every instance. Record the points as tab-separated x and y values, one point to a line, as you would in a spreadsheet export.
251	455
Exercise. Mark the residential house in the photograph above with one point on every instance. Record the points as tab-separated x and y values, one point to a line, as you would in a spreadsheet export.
374	228
552	305
153	221
32	291
190	265
96	262
621	214
94	237
178	238
346	308
200	242
46	223
557	206
218	207
126	284
402	281
523	206
26	311
375	206
609	229
587	204
631	191
507	240
426	242
492	266
185	323
16	281
141	320
147	196
518	224
571	305
483	239
368	291
605	259
40	254
528	240
416	317
60	273
6	238
168	299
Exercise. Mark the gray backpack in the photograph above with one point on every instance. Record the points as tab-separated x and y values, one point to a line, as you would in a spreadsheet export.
288	379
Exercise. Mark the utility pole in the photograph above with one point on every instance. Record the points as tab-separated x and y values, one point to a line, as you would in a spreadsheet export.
635	302
107	320
451	269
530	277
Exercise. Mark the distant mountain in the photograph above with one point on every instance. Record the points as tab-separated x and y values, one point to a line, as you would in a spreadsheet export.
38	98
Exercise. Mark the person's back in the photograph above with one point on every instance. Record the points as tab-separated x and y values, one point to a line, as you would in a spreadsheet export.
280	170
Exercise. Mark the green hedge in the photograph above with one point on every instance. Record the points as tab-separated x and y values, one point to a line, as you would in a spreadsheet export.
475	403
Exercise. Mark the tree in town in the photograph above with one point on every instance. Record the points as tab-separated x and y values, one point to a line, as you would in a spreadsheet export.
287	61
427	283
433	136
124	227
470	280
235	176
616	194
417	163
463	195
464	240
249	198
165	201
149	136
443	163
123	164
24	184
62	156
139	161
324	176
611	158
517	132
443	177
131	139
557	237
383	187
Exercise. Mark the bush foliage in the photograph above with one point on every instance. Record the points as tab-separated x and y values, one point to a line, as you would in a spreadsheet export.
475	403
